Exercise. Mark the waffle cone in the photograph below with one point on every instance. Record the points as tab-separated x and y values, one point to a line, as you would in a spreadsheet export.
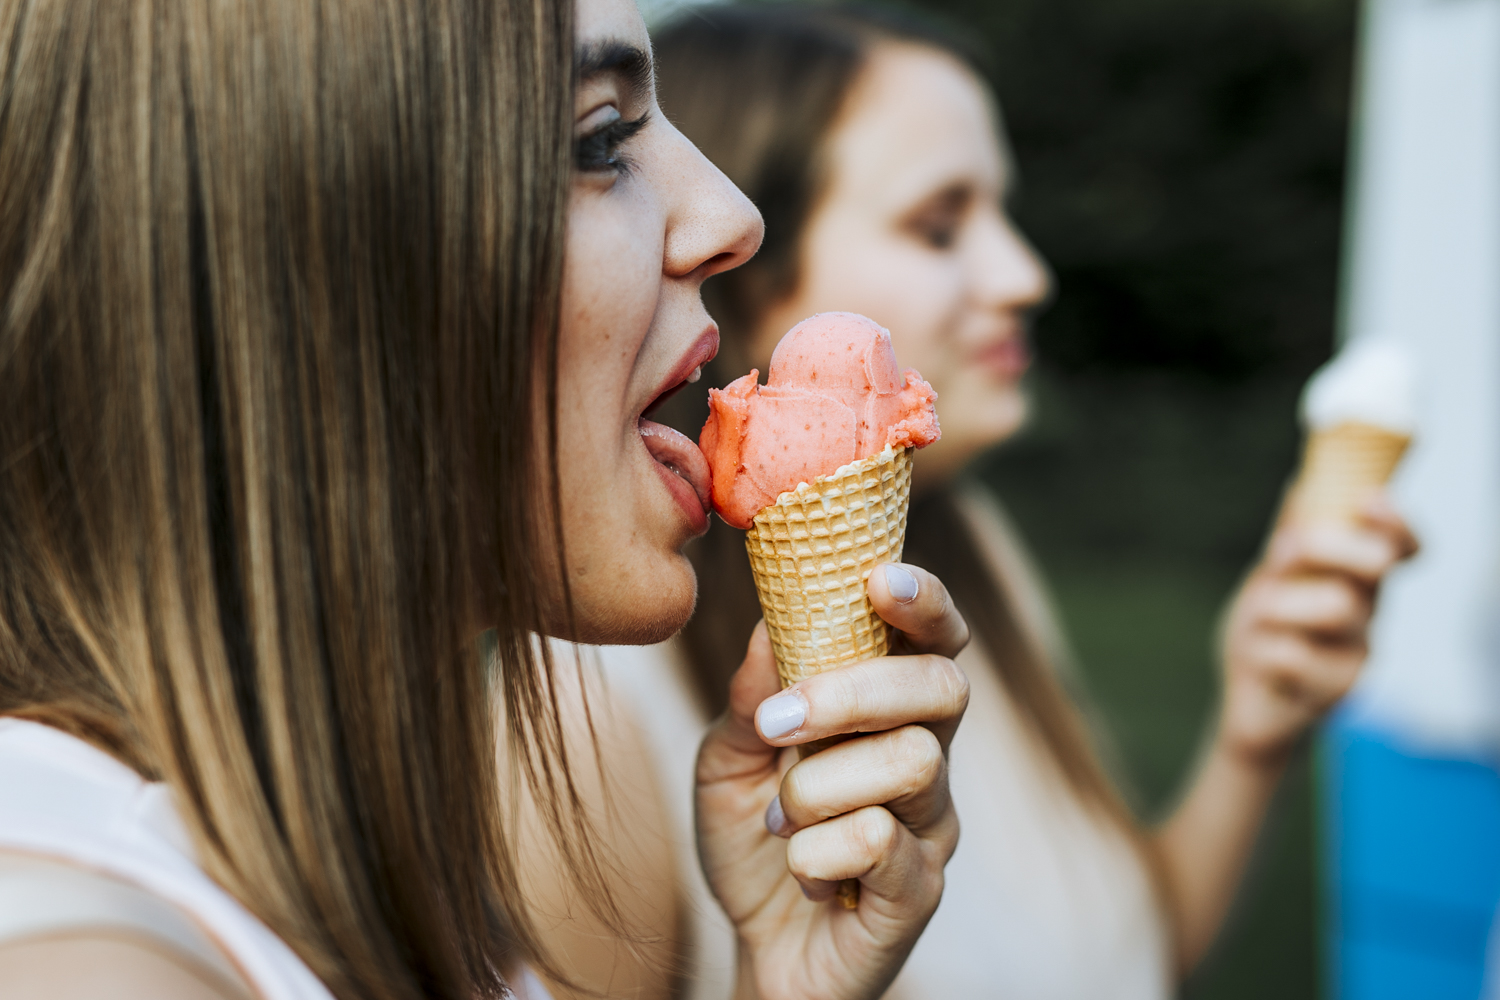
1341	466
811	553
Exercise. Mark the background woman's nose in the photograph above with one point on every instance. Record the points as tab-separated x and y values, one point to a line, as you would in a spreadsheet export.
712	226
1006	270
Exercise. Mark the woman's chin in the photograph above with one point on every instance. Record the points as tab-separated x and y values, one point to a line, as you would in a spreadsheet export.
651	611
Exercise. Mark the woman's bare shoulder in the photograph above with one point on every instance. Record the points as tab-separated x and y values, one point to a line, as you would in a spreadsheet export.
86	966
67	931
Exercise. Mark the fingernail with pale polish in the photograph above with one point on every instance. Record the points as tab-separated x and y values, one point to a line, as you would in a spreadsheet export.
776	819
901	584
781	715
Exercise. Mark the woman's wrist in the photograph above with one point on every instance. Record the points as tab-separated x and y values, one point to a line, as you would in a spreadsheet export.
1259	727
1253	757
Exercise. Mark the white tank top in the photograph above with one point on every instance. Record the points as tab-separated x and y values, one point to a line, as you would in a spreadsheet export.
63	801
87	845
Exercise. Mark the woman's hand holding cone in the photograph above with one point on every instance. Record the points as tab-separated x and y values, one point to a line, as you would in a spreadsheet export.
1295	640
1297	634
776	836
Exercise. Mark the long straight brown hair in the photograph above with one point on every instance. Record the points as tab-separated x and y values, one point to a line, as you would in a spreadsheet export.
278	294
758	87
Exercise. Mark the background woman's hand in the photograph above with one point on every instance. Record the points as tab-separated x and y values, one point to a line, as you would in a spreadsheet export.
1295	640
1297	633
776	836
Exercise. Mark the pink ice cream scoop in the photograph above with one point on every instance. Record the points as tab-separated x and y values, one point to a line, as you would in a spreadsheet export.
834	396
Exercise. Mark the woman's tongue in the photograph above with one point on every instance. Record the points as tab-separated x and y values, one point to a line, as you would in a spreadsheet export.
679	454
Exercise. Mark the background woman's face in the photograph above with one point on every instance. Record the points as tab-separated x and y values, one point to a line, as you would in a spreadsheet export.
649	219
911	231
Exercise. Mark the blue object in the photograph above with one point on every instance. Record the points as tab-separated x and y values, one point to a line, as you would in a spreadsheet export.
1411	845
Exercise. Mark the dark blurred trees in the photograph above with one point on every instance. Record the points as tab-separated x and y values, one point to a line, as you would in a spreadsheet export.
1181	166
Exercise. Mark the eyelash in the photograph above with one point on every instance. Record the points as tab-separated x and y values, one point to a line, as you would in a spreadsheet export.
599	150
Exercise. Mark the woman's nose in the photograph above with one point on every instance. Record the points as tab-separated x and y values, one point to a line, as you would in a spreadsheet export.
1007	271
712	226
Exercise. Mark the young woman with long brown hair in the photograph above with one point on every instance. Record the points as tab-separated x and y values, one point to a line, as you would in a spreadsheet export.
325	334
873	148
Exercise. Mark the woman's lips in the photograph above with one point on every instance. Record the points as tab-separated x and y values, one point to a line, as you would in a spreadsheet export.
683	468
656	403
1008	358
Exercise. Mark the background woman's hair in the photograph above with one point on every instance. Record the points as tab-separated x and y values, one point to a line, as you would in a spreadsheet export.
277	279
758	87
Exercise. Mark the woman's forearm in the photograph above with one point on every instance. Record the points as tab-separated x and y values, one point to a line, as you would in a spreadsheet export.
1204	846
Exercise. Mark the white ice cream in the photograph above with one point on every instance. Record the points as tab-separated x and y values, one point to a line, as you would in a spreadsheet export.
1372	381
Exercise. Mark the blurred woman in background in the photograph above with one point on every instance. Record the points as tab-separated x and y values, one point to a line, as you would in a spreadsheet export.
874	150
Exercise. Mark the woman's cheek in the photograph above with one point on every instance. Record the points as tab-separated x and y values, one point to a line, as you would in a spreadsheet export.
616	234
921	295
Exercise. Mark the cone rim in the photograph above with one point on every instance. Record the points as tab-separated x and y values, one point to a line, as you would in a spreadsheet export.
804	491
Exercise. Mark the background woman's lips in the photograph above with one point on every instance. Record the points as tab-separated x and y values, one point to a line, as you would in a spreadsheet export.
1008	357
679	455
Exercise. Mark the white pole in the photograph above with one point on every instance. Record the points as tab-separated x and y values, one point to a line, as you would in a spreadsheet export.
1423	266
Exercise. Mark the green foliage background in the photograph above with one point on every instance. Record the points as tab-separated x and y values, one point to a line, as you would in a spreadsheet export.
1182	166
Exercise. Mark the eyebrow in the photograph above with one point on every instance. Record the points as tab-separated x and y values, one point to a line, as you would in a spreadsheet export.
953	195
630	63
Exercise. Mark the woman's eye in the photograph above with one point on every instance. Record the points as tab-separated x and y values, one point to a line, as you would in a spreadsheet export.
600	150
938	221
938	232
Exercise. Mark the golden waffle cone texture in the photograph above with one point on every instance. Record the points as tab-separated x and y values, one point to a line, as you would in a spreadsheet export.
811	553
1341	466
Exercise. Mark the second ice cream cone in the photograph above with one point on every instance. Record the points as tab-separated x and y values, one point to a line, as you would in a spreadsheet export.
1342	465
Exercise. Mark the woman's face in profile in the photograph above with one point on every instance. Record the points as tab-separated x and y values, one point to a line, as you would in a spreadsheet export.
911	230
649	219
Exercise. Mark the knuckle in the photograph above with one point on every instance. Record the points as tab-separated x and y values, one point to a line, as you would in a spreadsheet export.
877	831
950	681
861	691
837	696
918	754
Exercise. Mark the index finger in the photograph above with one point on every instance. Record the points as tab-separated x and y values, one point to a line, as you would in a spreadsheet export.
915	603
1362	552
868	697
